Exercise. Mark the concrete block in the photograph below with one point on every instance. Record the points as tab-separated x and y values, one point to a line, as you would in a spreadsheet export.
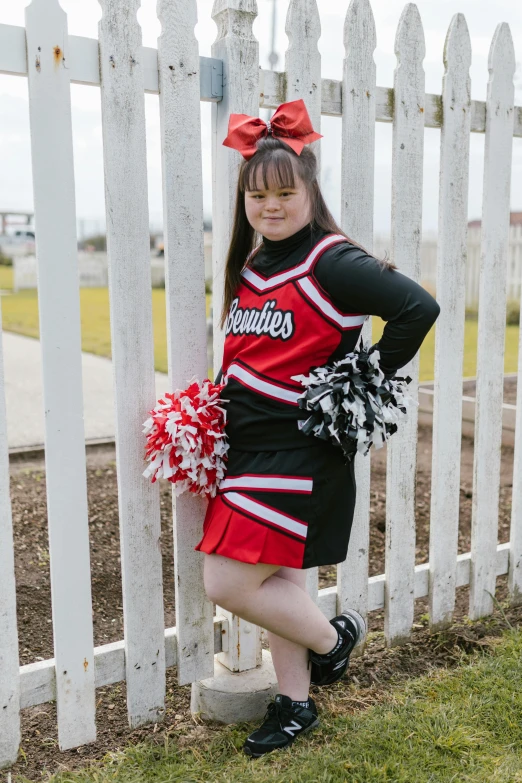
234	697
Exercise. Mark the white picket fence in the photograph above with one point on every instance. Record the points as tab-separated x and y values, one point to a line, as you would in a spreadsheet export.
429	253
93	271
93	267
123	69
514	264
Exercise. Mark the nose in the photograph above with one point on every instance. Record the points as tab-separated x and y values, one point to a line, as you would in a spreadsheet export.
272	204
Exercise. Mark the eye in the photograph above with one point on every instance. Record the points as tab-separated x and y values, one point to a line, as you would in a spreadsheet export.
286	193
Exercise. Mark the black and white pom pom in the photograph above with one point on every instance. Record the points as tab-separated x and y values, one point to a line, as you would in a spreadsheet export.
352	403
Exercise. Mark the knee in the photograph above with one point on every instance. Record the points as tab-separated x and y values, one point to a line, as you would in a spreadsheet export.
218	589
223	596
217	593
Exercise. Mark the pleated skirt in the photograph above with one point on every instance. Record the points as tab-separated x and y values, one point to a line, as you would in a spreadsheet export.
289	508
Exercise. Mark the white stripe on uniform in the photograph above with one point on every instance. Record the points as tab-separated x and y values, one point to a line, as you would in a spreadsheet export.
263	387
344	321
267	513
277	483
261	284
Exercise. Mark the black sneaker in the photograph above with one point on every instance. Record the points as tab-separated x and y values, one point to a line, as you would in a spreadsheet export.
330	668
282	724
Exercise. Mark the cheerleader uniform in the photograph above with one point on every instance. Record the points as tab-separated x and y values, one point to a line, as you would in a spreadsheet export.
288	499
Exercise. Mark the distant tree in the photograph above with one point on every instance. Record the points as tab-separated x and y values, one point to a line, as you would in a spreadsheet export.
98	242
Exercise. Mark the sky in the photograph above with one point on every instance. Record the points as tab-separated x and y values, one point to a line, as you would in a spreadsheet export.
83	15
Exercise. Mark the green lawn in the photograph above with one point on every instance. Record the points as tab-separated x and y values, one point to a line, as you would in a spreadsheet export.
451	726
427	352
20	314
6	278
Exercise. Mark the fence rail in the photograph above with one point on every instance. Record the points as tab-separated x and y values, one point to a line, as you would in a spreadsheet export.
272	84
38	680
124	70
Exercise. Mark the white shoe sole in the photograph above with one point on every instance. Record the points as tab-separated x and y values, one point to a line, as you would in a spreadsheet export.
360	623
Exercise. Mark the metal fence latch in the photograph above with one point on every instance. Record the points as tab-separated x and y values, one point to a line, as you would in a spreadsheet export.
211	77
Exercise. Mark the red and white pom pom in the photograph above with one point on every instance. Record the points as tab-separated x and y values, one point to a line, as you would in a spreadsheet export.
186	441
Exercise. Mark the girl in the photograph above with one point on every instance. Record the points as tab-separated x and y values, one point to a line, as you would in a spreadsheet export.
295	302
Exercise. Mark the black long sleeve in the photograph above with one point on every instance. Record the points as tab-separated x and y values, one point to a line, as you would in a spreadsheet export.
358	283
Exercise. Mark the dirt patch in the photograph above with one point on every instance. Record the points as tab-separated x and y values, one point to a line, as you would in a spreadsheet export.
371	674
28	498
469	389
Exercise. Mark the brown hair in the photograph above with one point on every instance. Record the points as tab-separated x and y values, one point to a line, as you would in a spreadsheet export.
279	164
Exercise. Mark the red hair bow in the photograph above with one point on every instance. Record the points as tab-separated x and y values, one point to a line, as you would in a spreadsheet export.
290	123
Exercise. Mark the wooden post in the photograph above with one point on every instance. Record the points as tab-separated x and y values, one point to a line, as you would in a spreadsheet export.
9	661
236	46
59	308
303	61
128	248
180	116
492	321
407	170
358	151
303	78
451	265
515	550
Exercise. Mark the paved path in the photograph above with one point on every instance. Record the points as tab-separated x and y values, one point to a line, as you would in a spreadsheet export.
24	397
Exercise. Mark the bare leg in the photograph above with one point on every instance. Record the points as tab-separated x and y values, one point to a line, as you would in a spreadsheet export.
290	659
258	595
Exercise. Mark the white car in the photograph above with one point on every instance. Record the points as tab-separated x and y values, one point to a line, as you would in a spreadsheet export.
19	241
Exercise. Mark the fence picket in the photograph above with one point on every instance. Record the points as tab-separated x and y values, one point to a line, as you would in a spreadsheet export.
9	661
128	248
358	152
492	319
178	59
407	168
515	538
303	79
237	47
59	308
303	61
451	266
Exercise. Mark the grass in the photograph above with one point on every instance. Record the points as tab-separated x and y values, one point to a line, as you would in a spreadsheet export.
450	726
427	351
6	278
20	314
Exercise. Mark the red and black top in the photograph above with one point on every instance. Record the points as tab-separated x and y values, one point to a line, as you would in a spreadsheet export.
302	303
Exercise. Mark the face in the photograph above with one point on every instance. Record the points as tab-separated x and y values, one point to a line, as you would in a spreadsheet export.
277	213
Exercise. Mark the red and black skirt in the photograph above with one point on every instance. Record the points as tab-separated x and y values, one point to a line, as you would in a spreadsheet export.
289	508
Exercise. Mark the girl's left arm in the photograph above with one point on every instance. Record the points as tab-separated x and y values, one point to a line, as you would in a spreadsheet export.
358	283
